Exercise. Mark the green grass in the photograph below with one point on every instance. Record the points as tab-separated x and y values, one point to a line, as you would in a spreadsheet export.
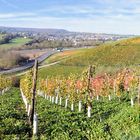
59	70
13	120
110	120
15	43
63	55
113	119
109	57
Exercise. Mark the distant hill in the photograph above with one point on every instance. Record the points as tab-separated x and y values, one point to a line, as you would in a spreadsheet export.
32	30
53	31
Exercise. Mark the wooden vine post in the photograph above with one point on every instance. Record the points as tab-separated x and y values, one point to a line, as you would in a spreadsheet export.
33	115
91	71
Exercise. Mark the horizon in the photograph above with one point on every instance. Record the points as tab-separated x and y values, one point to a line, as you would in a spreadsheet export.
65	30
109	17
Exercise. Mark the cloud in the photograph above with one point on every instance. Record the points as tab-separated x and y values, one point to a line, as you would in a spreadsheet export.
9	16
110	16
113	25
113	8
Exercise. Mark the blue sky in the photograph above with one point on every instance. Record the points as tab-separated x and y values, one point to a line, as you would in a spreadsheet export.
100	16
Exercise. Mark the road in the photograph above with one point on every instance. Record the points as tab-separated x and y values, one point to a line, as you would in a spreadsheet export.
29	65
40	67
40	59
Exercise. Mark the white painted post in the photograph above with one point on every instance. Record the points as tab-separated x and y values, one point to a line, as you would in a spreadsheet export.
66	103
89	111
7	89
132	102
57	93
24	99
60	101
29	109
45	96
100	118
80	106
35	124
97	97
56	99
50	98
2	92
109	97
72	106
38	92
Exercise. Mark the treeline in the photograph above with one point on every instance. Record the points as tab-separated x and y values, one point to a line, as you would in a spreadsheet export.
9	59
40	43
6	38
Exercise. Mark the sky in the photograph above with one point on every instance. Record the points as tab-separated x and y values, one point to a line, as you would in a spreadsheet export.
97	16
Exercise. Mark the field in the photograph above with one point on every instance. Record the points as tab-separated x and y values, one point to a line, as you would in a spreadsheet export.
15	43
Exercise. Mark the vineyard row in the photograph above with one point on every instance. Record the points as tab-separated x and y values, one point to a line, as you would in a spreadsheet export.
86	88
5	84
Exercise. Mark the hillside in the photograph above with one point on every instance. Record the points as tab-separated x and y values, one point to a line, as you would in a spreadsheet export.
32	30
122	53
109	57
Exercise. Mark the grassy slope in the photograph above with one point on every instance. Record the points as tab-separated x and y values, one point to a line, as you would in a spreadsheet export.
107	58
60	69
63	55
18	42
118	54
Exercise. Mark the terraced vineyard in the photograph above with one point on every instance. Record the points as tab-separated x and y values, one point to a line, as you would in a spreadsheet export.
112	115
87	104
